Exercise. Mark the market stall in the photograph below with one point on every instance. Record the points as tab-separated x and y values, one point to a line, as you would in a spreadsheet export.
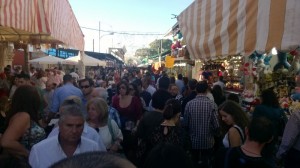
243	33
37	22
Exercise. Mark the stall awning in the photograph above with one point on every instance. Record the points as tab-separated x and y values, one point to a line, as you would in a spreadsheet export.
218	28
40	21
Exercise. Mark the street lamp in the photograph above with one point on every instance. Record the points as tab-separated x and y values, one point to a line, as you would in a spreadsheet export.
109	34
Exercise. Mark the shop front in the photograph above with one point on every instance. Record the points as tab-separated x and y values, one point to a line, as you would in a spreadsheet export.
239	36
36	23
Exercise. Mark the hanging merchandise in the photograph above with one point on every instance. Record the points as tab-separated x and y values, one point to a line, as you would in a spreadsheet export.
169	61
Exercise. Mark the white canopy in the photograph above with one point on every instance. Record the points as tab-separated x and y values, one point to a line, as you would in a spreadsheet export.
51	60
88	60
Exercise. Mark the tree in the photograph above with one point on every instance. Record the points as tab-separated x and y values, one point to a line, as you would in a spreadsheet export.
164	44
145	52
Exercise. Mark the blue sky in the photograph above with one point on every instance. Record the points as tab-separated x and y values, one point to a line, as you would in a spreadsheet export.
133	16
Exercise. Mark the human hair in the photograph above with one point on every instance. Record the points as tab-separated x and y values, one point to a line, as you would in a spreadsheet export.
164	83
123	83
91	82
94	159
238	115
179	76
138	82
233	97
269	98
159	99
260	130
101	92
192	84
185	80
69	110
167	155
202	87
136	91
24	76
101	107
72	100
26	99
67	78
172	108
172	80
218	94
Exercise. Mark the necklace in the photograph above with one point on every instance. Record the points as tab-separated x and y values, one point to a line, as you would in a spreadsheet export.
250	151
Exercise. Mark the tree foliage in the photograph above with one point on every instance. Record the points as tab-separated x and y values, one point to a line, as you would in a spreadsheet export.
155	48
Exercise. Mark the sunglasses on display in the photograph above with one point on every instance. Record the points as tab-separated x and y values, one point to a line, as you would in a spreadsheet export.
84	87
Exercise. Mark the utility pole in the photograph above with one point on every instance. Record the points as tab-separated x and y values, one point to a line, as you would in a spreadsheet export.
99	36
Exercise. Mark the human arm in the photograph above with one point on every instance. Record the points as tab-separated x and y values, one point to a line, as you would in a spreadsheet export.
290	135
234	137
17	127
118	137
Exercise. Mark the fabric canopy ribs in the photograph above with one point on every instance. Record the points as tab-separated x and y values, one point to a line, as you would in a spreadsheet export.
217	28
40	21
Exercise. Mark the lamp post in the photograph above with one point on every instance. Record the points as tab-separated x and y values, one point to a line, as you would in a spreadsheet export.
109	34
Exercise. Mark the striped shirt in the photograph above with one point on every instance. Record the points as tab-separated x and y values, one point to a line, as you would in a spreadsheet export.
202	122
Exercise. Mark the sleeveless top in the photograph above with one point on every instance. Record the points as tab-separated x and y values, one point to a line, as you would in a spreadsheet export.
226	138
33	135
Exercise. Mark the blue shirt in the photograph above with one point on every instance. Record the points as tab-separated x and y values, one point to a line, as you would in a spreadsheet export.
61	93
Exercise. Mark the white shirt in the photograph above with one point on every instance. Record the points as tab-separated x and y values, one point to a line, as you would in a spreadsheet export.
106	135
88	132
150	89
49	151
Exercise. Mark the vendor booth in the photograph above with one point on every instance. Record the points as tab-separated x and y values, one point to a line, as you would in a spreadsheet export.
87	60
239	36
36	22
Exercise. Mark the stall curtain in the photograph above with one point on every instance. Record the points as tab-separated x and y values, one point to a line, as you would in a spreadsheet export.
217	28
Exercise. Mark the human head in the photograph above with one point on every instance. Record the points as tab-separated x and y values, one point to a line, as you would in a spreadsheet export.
133	90
173	89
172	110
23	79
168	155
192	84
71	123
164	83
233	97
100	92
68	78
172	80
97	109
231	113
217	90
179	76
146	80
269	98
122	88
27	99
260	130
159	99
202	87
94	160
86	85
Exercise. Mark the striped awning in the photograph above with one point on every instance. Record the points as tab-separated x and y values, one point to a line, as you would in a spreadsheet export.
40	21
217	28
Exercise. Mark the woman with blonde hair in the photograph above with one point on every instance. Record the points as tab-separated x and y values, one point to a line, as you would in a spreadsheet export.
97	110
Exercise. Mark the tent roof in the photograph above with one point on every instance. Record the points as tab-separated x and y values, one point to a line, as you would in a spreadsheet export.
88	61
218	28
40	21
51	60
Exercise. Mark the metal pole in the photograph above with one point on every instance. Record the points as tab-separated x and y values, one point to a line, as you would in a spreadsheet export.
93	45
99	36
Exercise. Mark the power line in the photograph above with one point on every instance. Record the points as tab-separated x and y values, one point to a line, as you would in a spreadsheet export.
127	33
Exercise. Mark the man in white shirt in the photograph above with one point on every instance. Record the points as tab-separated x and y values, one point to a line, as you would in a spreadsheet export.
66	144
146	85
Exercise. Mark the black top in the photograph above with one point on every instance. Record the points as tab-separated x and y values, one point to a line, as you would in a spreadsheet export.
149	121
235	157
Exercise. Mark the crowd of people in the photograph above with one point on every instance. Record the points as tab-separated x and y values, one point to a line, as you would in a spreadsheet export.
133	118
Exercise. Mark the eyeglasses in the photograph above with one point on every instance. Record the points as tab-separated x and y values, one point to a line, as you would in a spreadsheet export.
86	86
